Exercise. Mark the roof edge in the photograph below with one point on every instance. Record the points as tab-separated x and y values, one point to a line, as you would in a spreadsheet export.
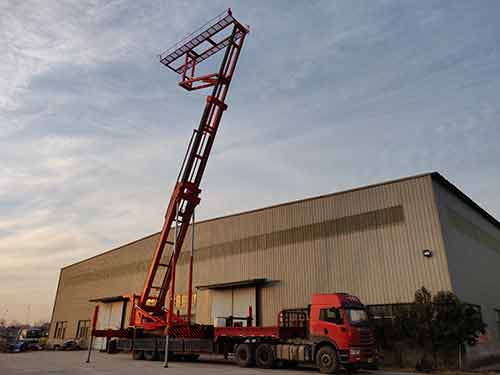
436	176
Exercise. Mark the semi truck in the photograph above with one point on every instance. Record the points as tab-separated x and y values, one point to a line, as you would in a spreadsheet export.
332	332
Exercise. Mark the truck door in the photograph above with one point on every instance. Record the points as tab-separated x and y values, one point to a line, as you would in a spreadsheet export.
328	322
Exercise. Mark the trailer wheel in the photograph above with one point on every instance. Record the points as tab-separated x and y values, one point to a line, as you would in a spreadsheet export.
264	356
138	355
112	346
244	355
326	360
149	355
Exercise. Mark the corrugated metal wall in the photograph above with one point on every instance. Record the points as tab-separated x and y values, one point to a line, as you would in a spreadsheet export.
473	251
117	272
367	242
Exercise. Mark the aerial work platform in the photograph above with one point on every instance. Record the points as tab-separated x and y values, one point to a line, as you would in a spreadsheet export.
206	41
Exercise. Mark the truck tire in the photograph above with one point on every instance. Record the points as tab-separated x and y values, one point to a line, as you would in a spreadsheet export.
326	360
244	355
264	356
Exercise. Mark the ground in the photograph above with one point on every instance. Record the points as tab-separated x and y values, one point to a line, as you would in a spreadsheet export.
73	363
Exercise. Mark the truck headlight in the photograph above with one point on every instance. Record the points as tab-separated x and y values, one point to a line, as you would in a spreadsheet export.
354	352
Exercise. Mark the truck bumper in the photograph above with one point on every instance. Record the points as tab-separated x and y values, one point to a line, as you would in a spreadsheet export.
359	357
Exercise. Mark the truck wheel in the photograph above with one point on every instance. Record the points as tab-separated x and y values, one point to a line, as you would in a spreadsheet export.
138	355
264	356
326	360
244	355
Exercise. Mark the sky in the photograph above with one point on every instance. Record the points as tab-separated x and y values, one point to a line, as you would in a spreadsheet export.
328	95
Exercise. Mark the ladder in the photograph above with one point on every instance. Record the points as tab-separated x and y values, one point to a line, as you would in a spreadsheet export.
222	32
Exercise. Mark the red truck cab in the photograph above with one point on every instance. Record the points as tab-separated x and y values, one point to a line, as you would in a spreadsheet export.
340	320
332	332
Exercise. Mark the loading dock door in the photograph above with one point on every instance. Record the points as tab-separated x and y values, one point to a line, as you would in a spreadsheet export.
109	317
232	302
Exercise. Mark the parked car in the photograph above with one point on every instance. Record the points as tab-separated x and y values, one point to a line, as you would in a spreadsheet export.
70	344
29	339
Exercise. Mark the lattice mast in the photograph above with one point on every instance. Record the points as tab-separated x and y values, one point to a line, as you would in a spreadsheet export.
223	33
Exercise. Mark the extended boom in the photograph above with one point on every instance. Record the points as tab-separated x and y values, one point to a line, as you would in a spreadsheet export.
222	33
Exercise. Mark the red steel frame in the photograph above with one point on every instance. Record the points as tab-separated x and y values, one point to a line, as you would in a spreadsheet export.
148	310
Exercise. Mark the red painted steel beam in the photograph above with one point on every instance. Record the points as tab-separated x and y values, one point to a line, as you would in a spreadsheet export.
95	314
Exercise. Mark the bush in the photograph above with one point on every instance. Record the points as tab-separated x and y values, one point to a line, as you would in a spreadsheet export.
438	324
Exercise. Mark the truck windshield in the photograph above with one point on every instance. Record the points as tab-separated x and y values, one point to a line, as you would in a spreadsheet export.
30	334
357	316
34	334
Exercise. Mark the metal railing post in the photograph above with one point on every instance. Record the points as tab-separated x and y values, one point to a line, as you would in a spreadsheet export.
92	331
190	275
172	291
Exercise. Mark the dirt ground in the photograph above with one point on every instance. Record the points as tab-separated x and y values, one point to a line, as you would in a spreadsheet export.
73	363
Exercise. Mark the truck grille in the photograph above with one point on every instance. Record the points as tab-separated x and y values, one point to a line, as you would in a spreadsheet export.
365	337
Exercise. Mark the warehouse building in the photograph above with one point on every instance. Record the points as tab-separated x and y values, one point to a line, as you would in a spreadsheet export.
380	242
